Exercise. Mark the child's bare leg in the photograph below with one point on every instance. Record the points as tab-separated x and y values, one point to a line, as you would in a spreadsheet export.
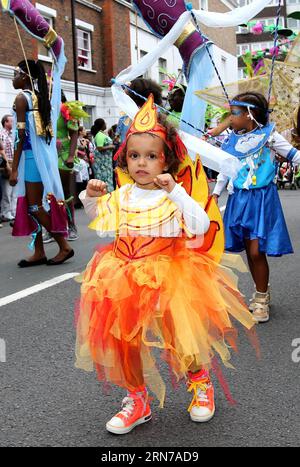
258	265
260	304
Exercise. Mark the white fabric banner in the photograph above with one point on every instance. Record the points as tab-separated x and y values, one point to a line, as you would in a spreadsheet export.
211	19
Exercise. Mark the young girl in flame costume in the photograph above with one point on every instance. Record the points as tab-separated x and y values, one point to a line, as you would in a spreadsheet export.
159	284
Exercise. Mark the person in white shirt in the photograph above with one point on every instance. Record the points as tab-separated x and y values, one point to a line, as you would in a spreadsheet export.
9	193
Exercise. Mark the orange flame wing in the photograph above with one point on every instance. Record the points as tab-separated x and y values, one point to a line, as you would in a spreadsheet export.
193	178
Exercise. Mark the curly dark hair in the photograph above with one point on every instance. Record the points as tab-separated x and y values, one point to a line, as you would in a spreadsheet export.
261	113
144	87
99	125
171	159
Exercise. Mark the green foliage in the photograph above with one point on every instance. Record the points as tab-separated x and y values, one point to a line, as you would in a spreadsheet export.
214	113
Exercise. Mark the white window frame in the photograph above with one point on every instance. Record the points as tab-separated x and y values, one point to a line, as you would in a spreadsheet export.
88	122
142	54
49	14
203	5
264	21
271	21
243	30
162	76
241	74
240	48
272	2
45	10
297	27
88	29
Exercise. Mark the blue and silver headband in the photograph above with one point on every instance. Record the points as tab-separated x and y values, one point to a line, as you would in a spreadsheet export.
248	105
243	104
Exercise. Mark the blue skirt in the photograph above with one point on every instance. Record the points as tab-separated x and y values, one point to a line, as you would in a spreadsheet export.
32	173
256	215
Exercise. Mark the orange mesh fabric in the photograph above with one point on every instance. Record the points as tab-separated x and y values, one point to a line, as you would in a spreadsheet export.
173	298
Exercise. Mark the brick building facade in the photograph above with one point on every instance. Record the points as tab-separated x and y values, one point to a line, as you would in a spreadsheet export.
107	35
103	51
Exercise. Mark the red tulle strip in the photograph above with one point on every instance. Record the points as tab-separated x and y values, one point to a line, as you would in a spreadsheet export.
119	151
218	372
180	149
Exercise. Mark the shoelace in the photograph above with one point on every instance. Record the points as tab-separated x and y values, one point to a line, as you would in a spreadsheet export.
128	405
200	392
129	402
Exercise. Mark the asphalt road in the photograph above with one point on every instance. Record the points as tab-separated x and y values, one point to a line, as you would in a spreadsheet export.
45	401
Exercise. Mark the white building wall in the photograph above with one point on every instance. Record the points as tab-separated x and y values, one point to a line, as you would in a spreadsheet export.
144	40
99	99
147	42
227	66
7	92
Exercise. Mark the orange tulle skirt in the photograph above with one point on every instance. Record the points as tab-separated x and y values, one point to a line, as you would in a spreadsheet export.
143	293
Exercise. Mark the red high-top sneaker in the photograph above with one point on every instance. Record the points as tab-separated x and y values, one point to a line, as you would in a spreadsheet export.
135	411
202	408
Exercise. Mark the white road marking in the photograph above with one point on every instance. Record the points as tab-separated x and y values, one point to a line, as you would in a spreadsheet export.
222	209
36	288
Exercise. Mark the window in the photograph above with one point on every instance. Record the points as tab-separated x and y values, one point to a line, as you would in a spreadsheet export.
163	64
181	79
264	22
88	122
272	2
147	74
293	24
242	49
254	47
241	73
261	46
292	2
223	67
243	30
49	14
257	46
244	2
203	4
275	3
271	21
43	53
84	49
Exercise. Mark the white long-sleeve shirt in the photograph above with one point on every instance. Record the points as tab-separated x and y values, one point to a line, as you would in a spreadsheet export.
278	145
193	215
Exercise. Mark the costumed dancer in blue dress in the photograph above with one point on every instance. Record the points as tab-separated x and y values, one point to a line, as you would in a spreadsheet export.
35	169
254	220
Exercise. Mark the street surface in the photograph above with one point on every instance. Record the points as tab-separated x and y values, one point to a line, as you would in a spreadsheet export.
45	401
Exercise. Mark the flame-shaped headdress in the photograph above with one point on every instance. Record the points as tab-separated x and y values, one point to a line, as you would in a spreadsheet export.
146	121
